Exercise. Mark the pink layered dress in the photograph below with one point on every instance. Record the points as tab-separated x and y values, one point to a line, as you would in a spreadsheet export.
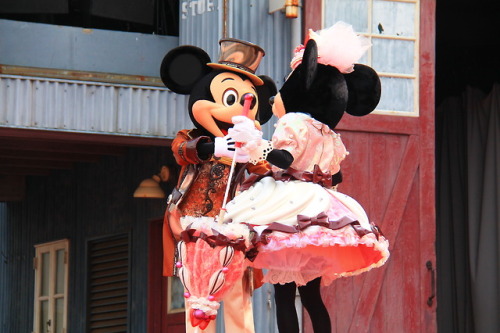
305	228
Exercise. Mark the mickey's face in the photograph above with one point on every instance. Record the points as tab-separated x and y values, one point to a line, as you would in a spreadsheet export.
227	90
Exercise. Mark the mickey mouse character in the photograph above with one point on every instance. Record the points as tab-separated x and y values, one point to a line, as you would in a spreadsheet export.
310	232
216	94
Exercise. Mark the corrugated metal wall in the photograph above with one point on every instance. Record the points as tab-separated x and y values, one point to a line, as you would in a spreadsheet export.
202	23
93	200
91	107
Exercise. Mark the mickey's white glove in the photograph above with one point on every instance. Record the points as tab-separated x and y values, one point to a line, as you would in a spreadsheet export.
225	147
244	130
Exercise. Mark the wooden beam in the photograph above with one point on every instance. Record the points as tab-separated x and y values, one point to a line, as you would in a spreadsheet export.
61	147
427	159
78	137
313	15
48	156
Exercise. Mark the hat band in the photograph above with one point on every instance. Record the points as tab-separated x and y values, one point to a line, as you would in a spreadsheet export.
238	66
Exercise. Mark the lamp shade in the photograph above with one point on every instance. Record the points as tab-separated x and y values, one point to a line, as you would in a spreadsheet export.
149	188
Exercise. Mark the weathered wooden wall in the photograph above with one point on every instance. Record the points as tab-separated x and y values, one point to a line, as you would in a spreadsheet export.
88	202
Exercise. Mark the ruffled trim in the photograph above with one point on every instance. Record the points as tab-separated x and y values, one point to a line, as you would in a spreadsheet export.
319	237
301	278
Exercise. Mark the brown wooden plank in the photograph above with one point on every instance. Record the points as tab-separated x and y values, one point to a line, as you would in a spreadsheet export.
409	245
367	300
82	75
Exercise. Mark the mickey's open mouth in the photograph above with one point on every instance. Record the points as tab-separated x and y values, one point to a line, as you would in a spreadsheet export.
223	126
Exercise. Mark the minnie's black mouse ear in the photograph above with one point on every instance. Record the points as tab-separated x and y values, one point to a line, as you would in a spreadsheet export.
309	63
364	90
182	67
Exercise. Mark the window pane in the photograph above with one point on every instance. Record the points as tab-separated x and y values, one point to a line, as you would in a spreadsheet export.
354	12
44	290
395	18
44	316
58	328
60	272
397	94
393	56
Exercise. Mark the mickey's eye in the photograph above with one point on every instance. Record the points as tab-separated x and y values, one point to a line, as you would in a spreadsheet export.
230	97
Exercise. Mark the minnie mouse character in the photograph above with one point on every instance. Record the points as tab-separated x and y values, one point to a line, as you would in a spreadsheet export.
308	231
216	94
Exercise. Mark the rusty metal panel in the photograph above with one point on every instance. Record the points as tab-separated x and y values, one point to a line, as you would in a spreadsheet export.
90	107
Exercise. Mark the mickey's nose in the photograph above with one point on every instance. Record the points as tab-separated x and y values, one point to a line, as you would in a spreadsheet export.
254	100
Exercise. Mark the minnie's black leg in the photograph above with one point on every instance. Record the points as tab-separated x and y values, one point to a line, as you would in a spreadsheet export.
286	315
311	299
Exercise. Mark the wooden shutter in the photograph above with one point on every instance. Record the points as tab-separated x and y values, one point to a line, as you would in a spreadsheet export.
108	285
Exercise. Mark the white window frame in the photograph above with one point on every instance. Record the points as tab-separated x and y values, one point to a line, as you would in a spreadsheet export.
416	54
51	248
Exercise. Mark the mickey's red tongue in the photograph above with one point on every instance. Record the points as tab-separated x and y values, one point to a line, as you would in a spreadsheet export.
223	131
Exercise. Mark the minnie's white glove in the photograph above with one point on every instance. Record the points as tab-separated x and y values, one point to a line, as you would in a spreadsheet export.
244	130
225	147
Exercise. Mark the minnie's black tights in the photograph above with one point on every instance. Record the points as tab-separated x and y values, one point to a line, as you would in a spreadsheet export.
286	315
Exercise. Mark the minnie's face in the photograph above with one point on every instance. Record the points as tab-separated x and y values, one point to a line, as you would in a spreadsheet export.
227	90
278	106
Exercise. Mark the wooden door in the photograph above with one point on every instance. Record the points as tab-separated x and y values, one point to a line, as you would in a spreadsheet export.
160	319
390	171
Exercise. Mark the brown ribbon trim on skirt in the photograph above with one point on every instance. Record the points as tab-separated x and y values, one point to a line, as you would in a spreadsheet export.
306	221
217	239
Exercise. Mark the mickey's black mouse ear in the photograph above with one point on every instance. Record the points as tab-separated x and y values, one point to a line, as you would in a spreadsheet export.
364	90
182	67
265	92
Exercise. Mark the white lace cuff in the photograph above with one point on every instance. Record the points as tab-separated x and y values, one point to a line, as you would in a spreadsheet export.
260	152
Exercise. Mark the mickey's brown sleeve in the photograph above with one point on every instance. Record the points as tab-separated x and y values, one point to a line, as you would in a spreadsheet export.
184	148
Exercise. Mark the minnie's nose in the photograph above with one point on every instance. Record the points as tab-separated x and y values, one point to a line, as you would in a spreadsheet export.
254	100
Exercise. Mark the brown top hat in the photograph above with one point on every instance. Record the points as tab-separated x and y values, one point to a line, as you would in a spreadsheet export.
240	56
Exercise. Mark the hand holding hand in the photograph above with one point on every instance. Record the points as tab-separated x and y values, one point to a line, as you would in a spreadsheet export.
244	130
